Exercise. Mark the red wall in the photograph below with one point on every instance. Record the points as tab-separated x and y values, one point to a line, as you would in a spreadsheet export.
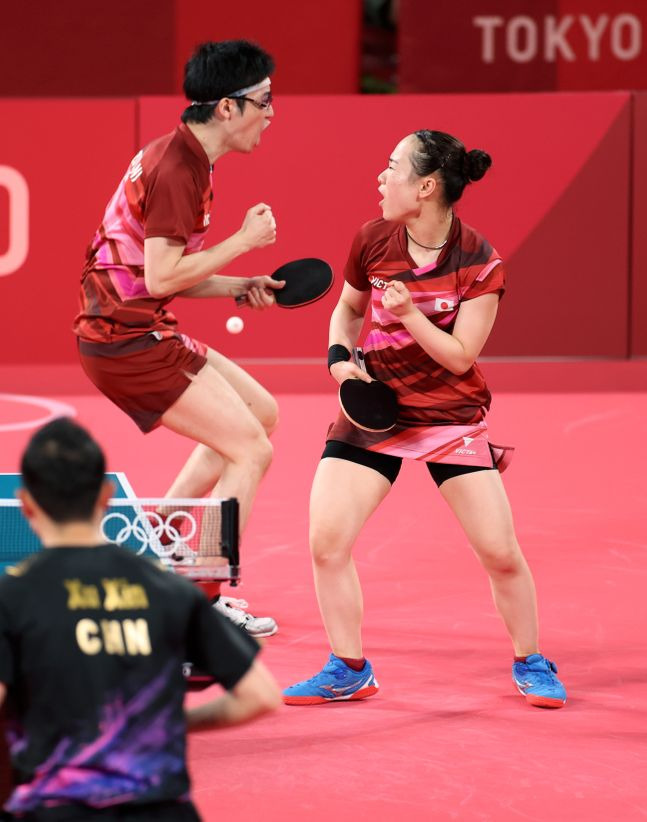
70	155
75	48
315	45
72	48
555	204
522	45
639	233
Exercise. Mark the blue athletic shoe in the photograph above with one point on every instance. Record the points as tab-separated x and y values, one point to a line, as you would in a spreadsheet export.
335	683
535	678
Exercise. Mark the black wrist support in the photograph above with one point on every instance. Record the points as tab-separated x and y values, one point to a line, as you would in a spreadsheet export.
337	353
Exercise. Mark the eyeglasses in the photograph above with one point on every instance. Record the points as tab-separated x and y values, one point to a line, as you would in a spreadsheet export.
265	103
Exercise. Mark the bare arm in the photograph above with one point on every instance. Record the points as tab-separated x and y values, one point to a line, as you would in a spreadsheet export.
217	285
167	271
3	694
345	326
457	351
258	289
257	693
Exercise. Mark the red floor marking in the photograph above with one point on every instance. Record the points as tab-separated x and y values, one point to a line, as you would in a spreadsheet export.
447	737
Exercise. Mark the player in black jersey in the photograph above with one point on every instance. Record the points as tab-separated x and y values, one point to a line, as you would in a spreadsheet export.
92	641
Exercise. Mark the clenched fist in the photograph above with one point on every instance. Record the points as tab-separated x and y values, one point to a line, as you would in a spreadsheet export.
397	299
259	226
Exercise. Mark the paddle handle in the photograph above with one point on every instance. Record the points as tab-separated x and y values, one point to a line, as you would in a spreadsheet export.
358	358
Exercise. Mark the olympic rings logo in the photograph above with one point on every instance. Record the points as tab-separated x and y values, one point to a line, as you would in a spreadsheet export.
147	529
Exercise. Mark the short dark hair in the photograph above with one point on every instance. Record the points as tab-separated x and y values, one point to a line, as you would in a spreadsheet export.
63	469
456	167
216	70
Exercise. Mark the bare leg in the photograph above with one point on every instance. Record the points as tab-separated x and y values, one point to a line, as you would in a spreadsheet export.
481	505
343	497
201	472
211	412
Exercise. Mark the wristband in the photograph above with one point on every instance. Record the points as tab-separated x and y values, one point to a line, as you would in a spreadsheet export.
337	353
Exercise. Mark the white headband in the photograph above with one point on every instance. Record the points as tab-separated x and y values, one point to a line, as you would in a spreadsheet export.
240	93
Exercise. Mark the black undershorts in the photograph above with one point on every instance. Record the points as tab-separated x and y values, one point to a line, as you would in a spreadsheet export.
389	466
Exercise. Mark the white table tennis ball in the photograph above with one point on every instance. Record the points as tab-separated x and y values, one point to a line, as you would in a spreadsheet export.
234	325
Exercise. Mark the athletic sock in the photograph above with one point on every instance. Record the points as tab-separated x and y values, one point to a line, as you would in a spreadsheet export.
355	664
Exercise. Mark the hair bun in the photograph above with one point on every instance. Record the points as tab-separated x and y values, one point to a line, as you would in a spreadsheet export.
476	163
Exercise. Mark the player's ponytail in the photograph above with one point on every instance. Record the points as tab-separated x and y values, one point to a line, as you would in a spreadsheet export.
476	164
439	152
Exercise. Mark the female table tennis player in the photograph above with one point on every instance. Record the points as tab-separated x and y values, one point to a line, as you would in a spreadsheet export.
434	285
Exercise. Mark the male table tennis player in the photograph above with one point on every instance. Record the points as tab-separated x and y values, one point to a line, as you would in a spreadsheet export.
149	249
92	641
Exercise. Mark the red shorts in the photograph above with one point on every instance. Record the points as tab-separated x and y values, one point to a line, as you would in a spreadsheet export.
143	376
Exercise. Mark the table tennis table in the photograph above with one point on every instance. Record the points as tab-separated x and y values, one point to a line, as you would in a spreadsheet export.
137	524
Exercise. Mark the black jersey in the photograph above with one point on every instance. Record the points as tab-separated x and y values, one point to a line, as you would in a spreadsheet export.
92	642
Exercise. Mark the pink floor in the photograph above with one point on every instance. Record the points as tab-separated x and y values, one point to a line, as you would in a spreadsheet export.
447	737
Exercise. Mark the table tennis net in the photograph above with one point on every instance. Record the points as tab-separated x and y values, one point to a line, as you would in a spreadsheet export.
197	538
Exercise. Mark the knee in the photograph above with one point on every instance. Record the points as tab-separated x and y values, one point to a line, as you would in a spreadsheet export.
252	449
263	453
501	558
328	547
270	417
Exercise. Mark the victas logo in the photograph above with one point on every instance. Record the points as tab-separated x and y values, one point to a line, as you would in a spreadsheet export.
378	282
442	304
466	451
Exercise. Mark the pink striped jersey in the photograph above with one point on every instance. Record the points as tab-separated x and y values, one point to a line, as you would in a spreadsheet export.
166	192
428	394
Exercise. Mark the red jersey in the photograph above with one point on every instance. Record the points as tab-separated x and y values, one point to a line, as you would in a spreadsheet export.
166	192
428	394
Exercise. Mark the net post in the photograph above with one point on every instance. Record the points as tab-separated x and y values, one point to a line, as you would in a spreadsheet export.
230	536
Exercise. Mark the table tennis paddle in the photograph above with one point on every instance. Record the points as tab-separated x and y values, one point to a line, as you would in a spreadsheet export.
371	406
306	281
196	680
